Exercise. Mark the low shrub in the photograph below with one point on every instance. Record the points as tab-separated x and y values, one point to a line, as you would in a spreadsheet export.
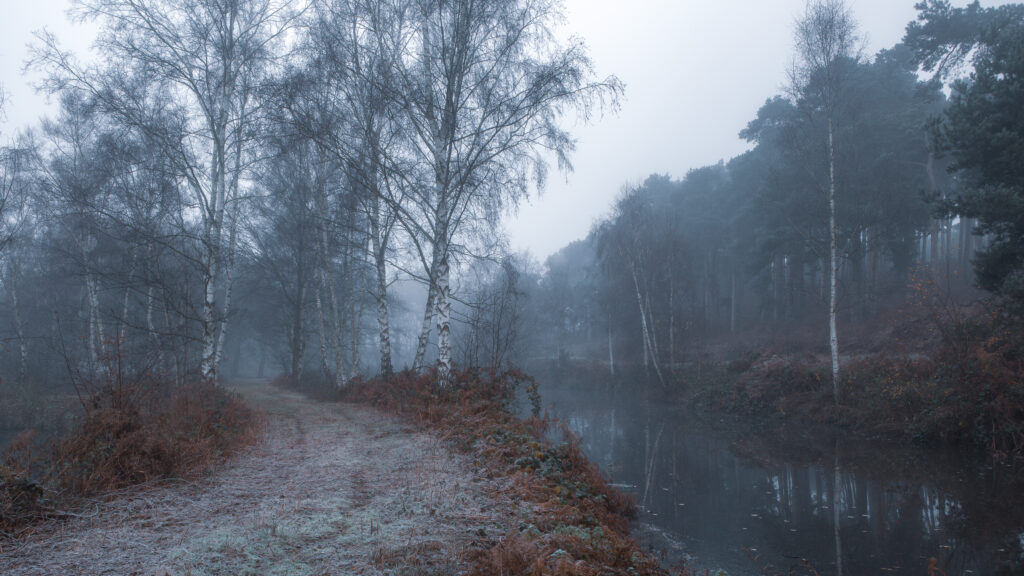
126	435
140	433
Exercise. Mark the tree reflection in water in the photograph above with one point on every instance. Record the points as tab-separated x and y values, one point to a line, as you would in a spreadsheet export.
792	495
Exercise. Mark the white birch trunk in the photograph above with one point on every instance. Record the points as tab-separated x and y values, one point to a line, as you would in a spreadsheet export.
644	328
340	375
325	370
229	282
19	327
209	313
357	323
151	328
122	332
96	336
443	311
381	293
611	354
833	281
428	316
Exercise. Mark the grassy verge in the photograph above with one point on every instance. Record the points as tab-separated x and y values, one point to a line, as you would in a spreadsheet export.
127	434
578	525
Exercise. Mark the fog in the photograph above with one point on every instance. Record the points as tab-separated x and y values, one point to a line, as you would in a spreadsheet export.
709	222
695	74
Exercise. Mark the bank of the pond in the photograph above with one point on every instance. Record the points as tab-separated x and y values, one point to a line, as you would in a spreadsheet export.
568	520
972	402
966	393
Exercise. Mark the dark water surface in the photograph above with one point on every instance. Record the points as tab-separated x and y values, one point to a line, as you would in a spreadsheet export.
754	499
6	435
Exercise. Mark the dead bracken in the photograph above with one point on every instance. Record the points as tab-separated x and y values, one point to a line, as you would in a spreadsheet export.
575	524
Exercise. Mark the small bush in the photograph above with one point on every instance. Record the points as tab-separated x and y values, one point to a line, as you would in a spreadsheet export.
127	435
136	434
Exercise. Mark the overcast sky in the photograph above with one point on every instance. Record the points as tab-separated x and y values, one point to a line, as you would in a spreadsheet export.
696	72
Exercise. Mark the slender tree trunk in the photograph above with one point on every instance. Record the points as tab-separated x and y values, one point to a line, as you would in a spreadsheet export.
357	323
611	353
123	321
325	370
213	238
671	322
932	189
443	311
298	328
644	328
381	292
10	284
96	337
151	327
836	512
209	314
833	337
229	282
965	236
428	315
732	302
340	375
326	284
179	371
298	340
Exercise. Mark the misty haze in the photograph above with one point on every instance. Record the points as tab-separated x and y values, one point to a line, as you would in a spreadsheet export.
512	287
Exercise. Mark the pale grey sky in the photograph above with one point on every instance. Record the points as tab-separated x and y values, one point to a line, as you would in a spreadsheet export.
696	72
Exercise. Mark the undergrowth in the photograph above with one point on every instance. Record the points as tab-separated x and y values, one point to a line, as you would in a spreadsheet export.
128	434
970	390
579	524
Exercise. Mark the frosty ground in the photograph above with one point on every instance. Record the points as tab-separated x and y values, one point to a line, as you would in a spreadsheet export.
332	489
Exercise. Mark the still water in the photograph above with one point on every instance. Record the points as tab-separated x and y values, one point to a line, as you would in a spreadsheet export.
727	496
6	435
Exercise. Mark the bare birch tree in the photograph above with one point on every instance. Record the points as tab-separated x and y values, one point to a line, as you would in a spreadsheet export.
199	62
826	39
481	85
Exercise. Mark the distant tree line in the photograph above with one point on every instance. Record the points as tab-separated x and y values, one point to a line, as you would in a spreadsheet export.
922	183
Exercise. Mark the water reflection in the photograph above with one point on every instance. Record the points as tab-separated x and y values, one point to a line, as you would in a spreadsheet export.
6	435
797	503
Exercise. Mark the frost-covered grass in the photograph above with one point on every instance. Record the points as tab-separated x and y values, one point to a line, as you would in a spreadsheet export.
333	489
570	521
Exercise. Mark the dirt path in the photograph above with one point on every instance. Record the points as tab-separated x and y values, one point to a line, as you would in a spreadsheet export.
333	489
